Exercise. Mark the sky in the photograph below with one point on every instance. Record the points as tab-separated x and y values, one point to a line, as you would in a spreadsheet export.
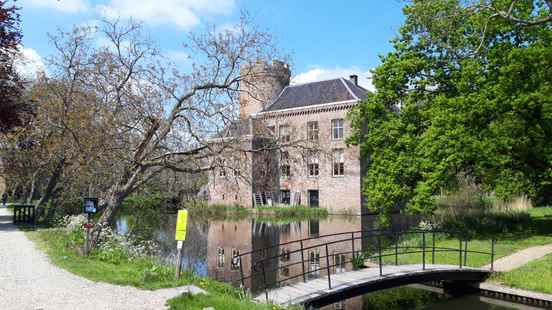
324	38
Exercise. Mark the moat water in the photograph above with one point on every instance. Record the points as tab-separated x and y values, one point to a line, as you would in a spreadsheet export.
210	244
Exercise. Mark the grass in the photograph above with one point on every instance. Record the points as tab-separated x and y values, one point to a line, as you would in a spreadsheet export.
535	276
282	213
142	272
292	211
537	230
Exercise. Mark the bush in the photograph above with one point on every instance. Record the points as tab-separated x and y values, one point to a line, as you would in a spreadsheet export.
472	212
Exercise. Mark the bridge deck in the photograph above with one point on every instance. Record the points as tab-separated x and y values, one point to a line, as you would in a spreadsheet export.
303	292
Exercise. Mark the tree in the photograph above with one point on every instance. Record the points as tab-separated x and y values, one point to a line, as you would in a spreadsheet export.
466	91
13	112
149	115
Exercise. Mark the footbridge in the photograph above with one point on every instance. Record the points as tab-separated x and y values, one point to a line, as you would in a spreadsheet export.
321	270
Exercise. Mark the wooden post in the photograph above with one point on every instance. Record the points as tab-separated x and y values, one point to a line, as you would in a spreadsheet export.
179	246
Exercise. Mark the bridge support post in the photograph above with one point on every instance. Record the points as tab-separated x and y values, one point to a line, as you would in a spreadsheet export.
460	254
433	249
423	250
328	267
303	263
397	250
492	253
264	282
379	254
353	244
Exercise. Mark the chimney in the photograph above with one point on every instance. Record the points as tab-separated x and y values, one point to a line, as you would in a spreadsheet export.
354	78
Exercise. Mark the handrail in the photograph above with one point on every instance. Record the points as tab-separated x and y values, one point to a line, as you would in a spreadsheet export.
259	267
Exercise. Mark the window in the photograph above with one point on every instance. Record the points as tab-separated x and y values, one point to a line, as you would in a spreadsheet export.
314	228
338	163
339	263
271	129
314	264
312	131
235	259
285	255
285	196
285	136
312	164
337	129
222	172
220	258
285	169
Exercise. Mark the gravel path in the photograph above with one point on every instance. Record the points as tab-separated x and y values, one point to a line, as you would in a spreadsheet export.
29	281
520	258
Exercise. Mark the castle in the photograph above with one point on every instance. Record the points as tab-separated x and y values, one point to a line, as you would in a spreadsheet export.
297	136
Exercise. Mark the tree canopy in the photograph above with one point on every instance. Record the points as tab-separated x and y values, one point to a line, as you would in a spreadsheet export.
466	91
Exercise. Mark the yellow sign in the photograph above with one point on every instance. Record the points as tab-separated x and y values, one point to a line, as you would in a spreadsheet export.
181	223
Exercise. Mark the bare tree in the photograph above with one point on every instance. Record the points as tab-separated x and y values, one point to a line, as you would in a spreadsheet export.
153	116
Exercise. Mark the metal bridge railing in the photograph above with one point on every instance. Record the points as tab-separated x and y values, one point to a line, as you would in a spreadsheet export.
392	248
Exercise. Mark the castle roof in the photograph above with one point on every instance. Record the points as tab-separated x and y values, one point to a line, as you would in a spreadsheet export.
316	93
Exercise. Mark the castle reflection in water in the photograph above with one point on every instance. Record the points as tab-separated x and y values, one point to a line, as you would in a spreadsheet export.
225	239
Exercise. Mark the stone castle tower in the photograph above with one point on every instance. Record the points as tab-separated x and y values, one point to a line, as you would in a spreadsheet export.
261	83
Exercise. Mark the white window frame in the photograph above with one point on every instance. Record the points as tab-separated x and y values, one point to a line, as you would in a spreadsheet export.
337	127
313	133
340	161
313	160
220	258
284	135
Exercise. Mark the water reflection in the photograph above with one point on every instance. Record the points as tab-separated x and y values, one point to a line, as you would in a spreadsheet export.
211	245
420	297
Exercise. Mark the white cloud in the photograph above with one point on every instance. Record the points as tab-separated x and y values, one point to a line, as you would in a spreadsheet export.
185	14
66	6
319	73
29	64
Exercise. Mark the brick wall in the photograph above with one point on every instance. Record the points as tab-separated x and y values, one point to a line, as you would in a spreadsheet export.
336	193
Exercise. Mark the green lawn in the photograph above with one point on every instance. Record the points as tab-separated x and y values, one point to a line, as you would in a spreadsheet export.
535	276
143	272
535	231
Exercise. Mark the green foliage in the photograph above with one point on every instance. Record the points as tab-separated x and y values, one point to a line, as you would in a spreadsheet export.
480	106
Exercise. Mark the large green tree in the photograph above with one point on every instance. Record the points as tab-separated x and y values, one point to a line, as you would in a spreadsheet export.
467	90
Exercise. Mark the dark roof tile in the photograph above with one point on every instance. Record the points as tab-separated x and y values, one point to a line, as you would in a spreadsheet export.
315	93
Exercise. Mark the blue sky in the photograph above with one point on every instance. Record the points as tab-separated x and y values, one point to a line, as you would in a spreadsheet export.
324	38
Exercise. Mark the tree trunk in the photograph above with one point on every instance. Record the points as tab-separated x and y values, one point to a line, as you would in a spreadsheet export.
110	206
52	183
33	188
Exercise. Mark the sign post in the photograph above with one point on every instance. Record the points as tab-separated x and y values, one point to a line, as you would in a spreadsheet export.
90	207
180	236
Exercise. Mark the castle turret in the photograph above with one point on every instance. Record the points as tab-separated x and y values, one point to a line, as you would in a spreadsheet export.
261	83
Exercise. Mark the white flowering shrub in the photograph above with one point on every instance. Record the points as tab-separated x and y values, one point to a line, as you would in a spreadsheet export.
112	247
72	222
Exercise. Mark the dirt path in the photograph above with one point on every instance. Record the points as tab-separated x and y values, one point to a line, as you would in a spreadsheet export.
29	281
520	258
